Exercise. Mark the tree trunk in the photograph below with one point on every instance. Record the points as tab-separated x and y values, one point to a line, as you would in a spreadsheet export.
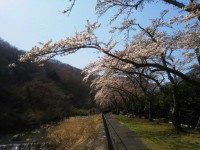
116	108
139	112
132	108
150	110
126	107
197	52
146	116
176	118
176	112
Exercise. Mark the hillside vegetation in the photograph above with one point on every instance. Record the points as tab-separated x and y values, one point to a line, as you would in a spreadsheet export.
32	95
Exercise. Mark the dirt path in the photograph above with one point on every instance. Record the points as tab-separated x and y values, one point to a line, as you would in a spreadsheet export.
98	141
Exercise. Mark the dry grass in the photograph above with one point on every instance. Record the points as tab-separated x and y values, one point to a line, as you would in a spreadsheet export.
156	136
72	132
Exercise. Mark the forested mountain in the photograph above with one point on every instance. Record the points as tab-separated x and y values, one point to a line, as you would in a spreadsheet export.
32	94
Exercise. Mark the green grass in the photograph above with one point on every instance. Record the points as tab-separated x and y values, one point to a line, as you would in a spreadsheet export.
156	136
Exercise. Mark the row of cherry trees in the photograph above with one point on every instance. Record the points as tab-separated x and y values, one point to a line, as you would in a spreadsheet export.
164	51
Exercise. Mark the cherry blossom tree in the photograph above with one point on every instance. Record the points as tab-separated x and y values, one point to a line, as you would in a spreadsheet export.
128	6
142	79
147	80
167	46
115	90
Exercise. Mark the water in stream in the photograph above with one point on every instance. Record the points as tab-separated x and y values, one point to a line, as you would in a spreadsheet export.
25	146
27	140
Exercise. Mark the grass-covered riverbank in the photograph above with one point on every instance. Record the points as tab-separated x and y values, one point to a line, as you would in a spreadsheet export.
78	133
74	133
158	137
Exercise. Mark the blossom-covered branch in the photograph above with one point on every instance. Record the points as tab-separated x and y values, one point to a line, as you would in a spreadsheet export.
84	39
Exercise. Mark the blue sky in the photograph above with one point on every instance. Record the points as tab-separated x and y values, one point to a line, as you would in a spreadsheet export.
24	23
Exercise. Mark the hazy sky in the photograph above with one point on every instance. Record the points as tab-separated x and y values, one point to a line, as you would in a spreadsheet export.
24	23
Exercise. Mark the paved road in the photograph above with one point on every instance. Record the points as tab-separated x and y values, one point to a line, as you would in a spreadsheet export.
122	137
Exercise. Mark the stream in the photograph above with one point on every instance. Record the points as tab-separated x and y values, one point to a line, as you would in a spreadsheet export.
25	146
25	140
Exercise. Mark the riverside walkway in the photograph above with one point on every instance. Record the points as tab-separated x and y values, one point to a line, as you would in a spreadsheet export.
121	137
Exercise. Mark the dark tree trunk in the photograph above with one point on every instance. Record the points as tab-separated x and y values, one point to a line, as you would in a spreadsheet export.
176	112
132	108
150	110
139	112
198	126
197	52
146	113
126	107
176	118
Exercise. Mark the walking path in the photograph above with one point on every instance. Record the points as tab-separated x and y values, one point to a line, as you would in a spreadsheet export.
98	141
122	137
